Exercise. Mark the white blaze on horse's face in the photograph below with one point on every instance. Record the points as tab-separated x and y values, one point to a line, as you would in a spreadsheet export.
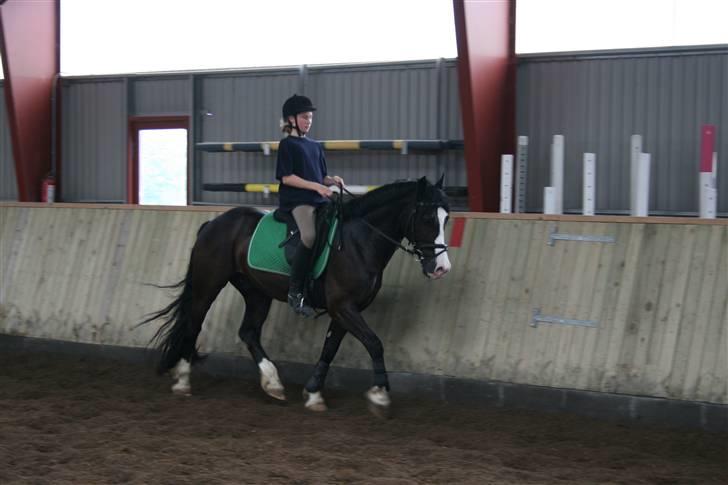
442	263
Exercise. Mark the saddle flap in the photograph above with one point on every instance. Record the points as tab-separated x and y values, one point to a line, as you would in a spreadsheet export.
266	254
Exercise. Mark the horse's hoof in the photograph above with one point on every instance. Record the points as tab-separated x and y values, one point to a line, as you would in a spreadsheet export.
269	380
314	401
379	402
276	393
181	390
382	412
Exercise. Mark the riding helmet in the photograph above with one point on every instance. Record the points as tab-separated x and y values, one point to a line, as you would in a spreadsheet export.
297	104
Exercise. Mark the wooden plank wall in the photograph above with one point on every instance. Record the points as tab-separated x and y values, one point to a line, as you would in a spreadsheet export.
658	295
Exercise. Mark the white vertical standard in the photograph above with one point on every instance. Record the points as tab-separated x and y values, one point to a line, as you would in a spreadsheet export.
521	173
590	176
706	195
715	170
709	190
506	183
635	151
549	202
557	173
642	202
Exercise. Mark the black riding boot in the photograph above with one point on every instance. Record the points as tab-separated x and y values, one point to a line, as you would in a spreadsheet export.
299	270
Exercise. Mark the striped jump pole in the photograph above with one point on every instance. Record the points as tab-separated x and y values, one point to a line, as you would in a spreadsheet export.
274	188
403	146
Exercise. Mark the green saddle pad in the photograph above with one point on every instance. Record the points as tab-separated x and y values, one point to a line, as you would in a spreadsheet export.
265	255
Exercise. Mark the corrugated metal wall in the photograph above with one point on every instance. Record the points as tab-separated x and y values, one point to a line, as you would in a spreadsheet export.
657	298
392	101
168	95
93	131
415	100
8	182
599	102
242	107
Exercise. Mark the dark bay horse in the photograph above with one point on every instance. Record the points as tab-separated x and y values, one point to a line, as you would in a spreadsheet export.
374	226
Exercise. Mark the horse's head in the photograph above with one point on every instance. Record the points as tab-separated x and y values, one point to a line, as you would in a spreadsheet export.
427	228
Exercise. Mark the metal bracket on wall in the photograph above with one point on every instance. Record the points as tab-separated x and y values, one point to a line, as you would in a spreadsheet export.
537	317
555	236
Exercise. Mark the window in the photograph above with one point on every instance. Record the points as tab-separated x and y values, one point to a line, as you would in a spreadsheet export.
573	25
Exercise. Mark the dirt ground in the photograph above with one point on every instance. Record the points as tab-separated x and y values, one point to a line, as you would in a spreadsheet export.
85	420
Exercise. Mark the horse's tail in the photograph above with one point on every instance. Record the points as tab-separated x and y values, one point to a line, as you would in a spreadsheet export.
171	334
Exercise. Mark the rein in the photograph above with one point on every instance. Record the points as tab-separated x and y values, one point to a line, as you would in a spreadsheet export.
416	247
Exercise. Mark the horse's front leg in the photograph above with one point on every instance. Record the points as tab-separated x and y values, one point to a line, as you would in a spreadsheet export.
378	394
312	392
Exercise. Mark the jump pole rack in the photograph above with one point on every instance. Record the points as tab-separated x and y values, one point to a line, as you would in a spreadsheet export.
403	146
266	147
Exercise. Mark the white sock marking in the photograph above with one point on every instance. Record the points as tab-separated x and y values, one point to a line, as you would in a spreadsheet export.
269	376
314	398
379	396
181	372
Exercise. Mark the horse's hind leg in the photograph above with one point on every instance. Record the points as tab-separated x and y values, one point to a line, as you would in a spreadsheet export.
257	306
312	392
186	338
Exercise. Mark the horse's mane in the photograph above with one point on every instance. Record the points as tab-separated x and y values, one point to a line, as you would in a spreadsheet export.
378	198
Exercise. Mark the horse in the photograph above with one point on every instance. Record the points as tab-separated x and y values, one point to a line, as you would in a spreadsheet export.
373	228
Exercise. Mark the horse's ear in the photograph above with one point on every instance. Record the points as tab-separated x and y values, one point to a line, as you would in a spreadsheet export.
440	182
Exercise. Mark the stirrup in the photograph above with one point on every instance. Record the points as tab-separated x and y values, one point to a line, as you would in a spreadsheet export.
297	302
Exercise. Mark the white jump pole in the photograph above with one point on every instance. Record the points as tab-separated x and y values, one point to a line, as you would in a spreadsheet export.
557	173
635	150
549	200
506	183
707	202
590	175
642	202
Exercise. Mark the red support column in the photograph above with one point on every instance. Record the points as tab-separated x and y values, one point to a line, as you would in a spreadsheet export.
29	38
485	32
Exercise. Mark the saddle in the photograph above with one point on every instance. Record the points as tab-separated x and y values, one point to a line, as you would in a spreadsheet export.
276	238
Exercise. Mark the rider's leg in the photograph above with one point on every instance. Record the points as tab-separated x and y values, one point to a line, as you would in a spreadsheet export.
306	222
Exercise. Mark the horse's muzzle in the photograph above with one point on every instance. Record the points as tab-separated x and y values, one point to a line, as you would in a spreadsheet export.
437	267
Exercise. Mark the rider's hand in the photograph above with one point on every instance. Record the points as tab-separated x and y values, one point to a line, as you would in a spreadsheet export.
324	191
338	181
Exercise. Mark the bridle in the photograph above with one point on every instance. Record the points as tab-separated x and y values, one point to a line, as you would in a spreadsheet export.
414	247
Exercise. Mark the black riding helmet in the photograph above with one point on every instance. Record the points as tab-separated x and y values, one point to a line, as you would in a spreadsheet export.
297	104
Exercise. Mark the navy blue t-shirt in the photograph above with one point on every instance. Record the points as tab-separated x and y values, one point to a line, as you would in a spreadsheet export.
303	157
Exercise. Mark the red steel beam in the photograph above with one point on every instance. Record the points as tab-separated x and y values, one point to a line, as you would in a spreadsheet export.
485	33
29	38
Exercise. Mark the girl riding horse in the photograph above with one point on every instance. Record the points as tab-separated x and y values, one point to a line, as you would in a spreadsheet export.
373	227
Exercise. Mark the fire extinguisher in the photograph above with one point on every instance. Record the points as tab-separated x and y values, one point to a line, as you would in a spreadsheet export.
48	189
